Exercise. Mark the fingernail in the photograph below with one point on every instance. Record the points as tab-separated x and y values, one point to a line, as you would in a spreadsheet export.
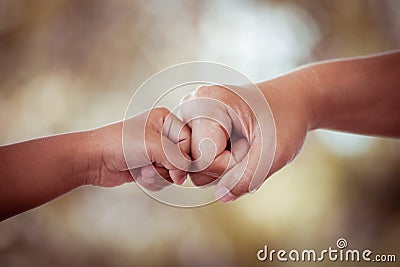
224	195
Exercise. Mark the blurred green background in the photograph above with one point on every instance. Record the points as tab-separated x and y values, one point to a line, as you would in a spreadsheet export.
73	65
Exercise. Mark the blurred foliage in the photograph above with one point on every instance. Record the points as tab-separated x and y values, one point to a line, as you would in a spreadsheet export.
73	65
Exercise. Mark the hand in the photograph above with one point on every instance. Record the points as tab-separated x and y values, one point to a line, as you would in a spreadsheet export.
244	135
144	151
234	138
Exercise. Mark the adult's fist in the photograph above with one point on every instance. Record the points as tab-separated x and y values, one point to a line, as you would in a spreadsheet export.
226	140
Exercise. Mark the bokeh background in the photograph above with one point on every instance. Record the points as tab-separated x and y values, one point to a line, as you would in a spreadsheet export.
73	65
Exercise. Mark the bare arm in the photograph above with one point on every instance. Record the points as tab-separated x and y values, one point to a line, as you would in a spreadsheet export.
358	95
361	95
37	171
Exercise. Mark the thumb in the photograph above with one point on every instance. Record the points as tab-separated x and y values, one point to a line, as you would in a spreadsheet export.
236	182
162	151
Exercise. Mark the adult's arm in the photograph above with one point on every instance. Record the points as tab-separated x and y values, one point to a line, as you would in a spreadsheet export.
358	95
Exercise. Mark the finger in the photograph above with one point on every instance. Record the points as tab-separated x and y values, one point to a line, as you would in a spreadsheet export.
222	163
152	171
149	186
236	181
177	175
156	181
229	158
156	176
182	113
200	179
209	140
151	177
162	152
179	133
211	126
175	139
155	171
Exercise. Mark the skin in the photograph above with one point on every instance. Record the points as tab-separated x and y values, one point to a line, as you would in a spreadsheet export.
358	95
37	171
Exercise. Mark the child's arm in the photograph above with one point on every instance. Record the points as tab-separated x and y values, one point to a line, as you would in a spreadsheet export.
37	171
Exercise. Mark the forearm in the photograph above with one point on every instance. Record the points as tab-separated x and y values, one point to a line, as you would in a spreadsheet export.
37	171
359	95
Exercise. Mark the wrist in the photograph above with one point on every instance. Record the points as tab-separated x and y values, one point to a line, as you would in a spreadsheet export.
86	157
292	95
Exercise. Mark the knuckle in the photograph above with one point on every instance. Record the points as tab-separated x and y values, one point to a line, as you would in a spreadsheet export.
158	114
161	111
186	98
206	90
217	169
197	182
